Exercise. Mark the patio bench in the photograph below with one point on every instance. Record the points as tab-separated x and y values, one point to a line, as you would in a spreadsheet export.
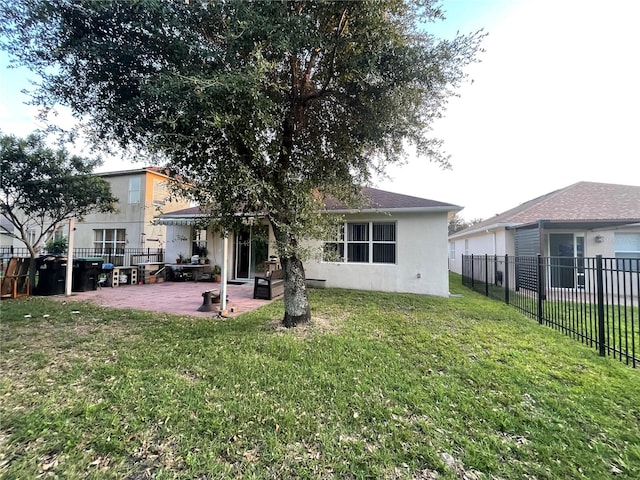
269	287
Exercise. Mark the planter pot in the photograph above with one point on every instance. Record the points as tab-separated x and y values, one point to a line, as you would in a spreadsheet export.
316	283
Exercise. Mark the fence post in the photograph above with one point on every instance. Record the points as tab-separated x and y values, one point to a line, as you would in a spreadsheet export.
506	279
486	275
473	283
600	300
540	288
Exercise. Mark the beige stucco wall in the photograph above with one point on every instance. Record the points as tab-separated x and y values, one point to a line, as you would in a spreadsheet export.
136	218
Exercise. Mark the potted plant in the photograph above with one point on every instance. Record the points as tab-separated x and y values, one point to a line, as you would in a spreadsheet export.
180	258
216	272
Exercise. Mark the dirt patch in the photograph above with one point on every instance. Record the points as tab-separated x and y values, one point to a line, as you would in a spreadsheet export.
319	324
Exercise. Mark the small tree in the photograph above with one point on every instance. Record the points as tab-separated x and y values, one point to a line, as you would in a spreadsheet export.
41	188
266	107
457	223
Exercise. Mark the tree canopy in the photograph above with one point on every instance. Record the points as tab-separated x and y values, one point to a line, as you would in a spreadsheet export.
266	106
42	187
457	223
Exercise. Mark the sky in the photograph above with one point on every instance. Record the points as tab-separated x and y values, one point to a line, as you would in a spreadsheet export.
554	100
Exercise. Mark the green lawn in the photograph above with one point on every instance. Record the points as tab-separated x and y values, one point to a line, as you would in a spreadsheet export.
379	386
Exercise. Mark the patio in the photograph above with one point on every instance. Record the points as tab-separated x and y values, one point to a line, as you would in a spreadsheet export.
180	298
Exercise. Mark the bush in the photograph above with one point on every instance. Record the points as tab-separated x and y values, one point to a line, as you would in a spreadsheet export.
56	246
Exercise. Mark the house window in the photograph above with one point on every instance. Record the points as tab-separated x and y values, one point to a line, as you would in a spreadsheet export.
363	242
134	190
452	250
58	233
32	237
109	240
358	242
334	247
384	242
627	250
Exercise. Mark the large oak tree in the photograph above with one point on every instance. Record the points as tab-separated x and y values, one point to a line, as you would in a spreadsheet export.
265	106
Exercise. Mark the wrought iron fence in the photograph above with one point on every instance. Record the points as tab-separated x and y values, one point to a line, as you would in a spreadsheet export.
593	300
120	257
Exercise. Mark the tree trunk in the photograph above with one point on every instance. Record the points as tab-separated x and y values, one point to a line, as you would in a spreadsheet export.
296	299
32	270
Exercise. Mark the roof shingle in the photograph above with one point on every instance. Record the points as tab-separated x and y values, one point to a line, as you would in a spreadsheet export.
582	201
377	200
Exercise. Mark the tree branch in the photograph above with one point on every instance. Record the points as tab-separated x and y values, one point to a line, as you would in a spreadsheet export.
342	25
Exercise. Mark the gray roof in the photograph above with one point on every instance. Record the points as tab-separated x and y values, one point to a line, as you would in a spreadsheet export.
582	201
378	200
384	200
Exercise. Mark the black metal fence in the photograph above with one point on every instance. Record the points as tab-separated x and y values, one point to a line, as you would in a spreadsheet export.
120	257
593	300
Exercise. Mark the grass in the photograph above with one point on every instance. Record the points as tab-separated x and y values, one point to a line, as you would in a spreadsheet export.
573	314
378	386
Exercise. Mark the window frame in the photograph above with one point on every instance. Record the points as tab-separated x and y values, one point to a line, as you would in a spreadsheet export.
135	191
345	243
628	260
112	244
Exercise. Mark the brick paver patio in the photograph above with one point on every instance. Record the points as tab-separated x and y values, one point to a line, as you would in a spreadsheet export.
181	298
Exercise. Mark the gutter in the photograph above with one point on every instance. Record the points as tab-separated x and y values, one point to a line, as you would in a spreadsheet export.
190	219
617	227
484	229
443	209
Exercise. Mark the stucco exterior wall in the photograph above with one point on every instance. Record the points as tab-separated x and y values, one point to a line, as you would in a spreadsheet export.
421	260
599	241
421	256
494	242
135	218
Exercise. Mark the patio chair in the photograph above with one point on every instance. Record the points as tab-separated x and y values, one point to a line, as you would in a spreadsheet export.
15	282
269	287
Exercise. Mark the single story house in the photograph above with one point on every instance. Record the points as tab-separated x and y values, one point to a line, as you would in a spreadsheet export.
396	243
582	220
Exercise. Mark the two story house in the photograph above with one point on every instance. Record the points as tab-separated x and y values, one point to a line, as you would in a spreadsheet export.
143	194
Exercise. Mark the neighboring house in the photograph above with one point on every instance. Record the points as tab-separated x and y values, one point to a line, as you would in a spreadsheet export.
582	220
143	194
397	243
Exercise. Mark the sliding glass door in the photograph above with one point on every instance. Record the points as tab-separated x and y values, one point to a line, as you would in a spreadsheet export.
251	251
